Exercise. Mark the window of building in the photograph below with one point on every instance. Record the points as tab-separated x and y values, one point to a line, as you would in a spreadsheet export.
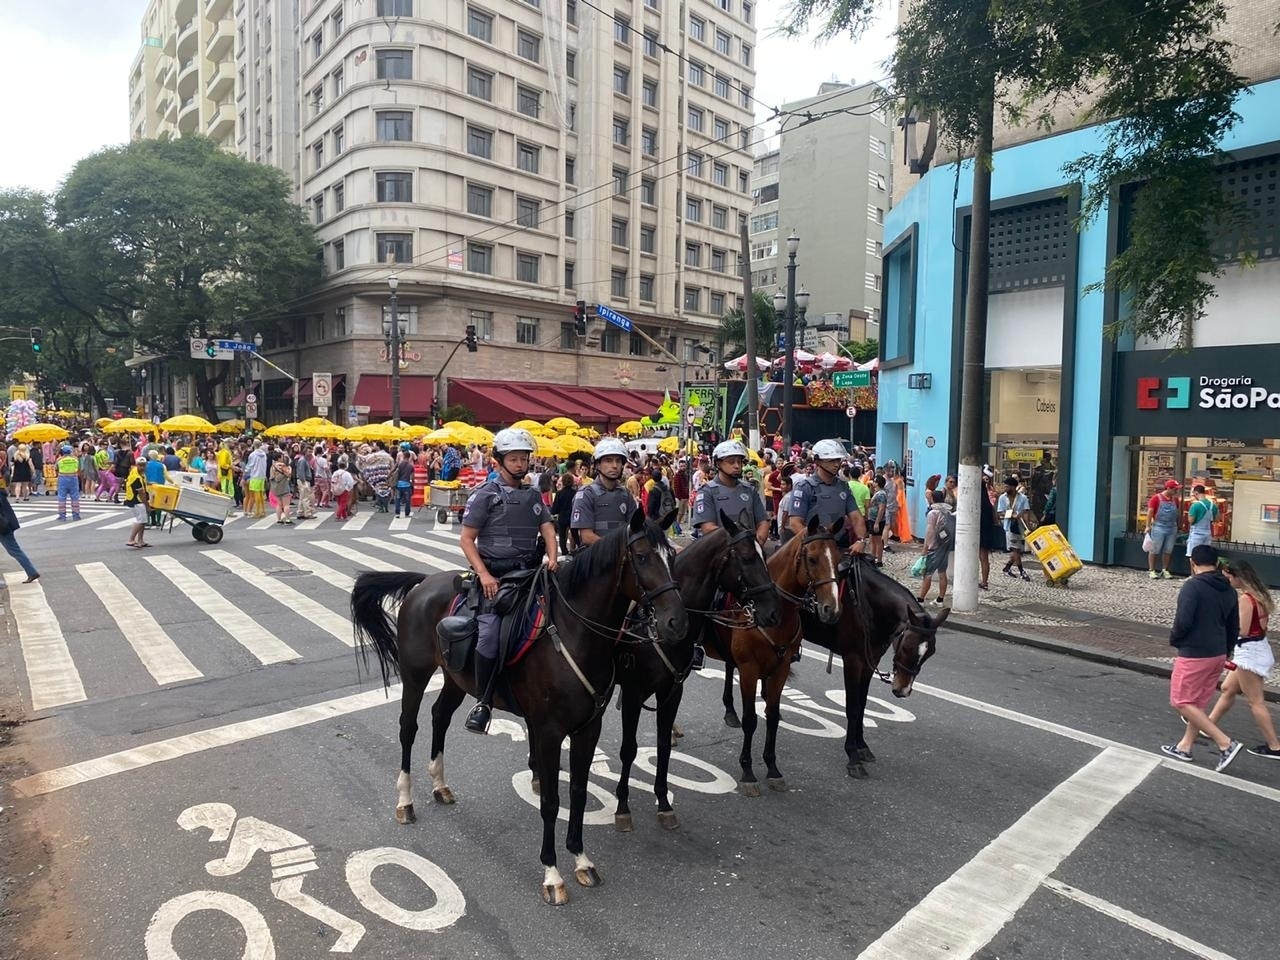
693	254
695	119
744	138
482	320
317	43
621	131
395	247
610	340
480	142
569	219
622	30
339	322
569	266
721	129
337	25
723	42
571	64
746	97
747	11
898	327
648	191
479	259
764	222
395	8
720	174
697	75
651	44
766	194
619	232
529	45
744	182
694	164
720	86
618	282
619	182
720	218
571	11
480	24
568	331
394	125
878	147
527	211
646	286
339	83
693	209
636	344
647	234
651	4
571	118
718	260
339	197
746	54
317	154
717	304
649	93
875	214
876	180
726	5
873	281
692	298
317	207
480	83
649	141
339	141
697	28
527	267
527	330
528	157
529	101
394	187
479	200
395	64
874	247
317	99
570	170
621	80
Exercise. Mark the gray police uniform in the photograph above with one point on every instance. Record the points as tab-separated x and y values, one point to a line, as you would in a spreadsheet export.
716	496
596	508
509	520
829	501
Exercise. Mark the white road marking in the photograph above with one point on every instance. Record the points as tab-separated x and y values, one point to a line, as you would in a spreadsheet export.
118	525
51	672
403	551
315	521
39	520
136	758
449	905
355	556
964	913
399	523
313	567
331	623
155	648
447	541
359	520
243	628
1149	927
257	934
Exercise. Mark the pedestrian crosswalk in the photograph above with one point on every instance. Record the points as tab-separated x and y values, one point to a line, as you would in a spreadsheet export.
100	629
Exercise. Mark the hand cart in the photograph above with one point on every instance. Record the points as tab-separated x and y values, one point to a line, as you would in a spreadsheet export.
449	501
202	510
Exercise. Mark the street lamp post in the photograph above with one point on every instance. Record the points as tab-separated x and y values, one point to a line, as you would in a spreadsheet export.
254	372
391	331
146	397
787	302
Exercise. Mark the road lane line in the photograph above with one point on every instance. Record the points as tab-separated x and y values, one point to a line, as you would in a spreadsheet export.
359	520
314	522
355	556
313	567
154	647
403	551
964	913
399	523
1149	927
51	672
331	623
187	744
243	628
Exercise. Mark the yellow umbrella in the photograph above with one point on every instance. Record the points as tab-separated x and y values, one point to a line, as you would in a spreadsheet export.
669	445
374	431
481	436
456	425
188	423
630	428
325	429
102	422
441	437
547	447
531	425
283	430
574	445
130	425
237	426
561	424
755	458
40	433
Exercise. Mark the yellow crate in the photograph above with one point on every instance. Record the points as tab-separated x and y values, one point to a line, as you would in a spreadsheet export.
163	497
1046	541
1061	565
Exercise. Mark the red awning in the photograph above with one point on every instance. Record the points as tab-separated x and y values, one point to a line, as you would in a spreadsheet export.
237	400
373	390
304	386
496	403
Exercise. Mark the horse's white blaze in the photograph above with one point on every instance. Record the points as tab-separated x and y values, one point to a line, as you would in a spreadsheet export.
582	862
404	789
831	573
436	769
922	650
552	878
759	549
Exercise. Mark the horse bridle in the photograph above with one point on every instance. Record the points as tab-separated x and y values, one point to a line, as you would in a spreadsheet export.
808	601
747	594
883	675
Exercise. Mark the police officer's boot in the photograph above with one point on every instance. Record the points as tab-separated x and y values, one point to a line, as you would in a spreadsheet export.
486	673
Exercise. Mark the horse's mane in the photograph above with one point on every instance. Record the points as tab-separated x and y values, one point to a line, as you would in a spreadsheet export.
692	554
603	557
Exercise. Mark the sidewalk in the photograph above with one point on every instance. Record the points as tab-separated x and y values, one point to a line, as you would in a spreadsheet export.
1110	615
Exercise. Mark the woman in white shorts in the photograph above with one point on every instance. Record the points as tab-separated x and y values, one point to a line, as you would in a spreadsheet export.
1253	657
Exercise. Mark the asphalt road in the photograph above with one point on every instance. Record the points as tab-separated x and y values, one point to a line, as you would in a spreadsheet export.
1017	808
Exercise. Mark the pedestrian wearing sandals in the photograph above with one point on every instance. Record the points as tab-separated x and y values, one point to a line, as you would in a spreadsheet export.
1010	508
939	541
1205	628
1253	657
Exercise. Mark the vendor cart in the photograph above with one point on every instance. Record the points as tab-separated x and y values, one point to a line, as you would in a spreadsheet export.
204	511
448	501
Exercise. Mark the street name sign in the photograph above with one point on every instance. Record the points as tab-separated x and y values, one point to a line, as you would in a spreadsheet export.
200	346
851	378
237	346
612	316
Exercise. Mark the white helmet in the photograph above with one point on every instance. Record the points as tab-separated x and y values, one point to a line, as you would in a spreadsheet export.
610	447
729	448
513	440
829	450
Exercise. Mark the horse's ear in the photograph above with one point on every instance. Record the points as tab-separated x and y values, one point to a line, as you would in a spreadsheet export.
668	520
941	618
915	613
813	524
727	522
745	520
835	527
637	520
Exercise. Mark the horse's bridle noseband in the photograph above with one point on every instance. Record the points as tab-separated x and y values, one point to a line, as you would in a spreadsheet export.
644	603
808	601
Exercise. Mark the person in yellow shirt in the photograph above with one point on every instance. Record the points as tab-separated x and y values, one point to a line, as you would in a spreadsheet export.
225	480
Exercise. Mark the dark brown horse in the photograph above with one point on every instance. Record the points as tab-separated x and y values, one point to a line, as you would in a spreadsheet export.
561	686
728	558
805	574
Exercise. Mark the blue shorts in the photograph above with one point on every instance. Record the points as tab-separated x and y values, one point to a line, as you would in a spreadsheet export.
1162	540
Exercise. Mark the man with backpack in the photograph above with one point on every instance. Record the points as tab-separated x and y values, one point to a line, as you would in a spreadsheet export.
939	541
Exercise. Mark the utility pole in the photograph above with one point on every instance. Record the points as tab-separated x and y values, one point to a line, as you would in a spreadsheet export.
393	351
749	326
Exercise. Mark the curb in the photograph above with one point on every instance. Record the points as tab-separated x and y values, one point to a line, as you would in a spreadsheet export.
1078	651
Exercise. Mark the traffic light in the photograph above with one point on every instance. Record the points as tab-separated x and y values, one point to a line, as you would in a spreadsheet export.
211	350
471	338
580	319
37	339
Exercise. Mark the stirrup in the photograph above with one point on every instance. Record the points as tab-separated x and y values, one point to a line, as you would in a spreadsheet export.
699	657
478	719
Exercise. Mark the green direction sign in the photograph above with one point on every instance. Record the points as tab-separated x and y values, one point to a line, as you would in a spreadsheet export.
851	378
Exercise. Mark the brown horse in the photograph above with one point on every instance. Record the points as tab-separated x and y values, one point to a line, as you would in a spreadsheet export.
561	686
805	575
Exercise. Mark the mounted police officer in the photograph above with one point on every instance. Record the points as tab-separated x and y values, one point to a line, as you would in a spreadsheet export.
825	495
501	527
604	504
729	492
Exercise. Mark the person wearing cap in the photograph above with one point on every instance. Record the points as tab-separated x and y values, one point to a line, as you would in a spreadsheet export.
68	467
1013	503
728	492
1163	511
505	527
826	495
1204	630
604	504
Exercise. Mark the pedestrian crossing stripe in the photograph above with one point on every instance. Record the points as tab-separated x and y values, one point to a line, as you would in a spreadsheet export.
313	567
51	672
355	556
320	615
418	555
359	520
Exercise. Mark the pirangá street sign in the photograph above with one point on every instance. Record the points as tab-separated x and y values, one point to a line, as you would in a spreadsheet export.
851	378
612	316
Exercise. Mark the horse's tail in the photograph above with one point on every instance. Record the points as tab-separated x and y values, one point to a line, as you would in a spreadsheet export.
373	623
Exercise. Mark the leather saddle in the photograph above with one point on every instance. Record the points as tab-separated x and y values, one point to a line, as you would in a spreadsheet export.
517	604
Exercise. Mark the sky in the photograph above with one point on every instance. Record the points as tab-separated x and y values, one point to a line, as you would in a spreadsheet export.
66	66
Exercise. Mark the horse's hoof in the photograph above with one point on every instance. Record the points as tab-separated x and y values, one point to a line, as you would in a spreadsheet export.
778	784
731	720
857	771
537	787
676	732
405	814
749	788
667	819
555	894
622	822
445	796
588	877
865	755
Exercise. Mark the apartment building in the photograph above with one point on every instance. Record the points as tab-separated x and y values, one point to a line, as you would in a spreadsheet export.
502	160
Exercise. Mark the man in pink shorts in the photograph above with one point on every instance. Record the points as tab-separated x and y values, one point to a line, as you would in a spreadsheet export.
1204	629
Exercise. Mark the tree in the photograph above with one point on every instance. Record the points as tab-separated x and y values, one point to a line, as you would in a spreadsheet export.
733	331
457	411
863	350
1161	79
186	241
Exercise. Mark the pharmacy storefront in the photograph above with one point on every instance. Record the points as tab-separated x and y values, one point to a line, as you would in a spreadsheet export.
1208	416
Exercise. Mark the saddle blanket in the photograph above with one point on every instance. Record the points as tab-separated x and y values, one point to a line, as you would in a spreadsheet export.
528	630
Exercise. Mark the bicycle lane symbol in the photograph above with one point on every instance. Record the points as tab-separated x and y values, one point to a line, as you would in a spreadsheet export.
291	858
